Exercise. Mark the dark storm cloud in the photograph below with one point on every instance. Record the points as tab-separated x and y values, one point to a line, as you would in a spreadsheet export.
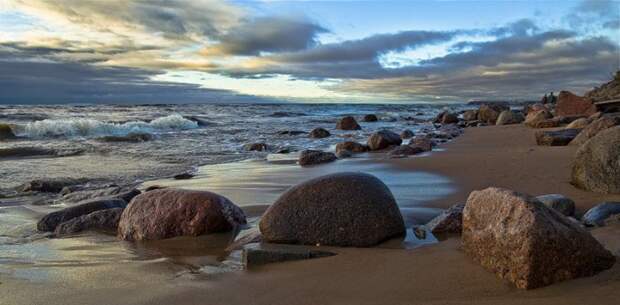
35	80
267	34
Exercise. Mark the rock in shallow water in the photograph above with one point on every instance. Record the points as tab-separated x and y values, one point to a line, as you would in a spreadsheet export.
449	221
319	133
258	254
166	213
344	209
136	137
102	220
596	216
351	146
405	151
348	123
6	132
315	157
370	118
521	240
596	166
383	139
51	185
50	221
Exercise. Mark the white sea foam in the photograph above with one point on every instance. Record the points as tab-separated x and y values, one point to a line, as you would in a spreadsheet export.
91	127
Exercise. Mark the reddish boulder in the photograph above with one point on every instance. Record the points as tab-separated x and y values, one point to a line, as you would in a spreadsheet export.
167	213
570	104
535	117
424	143
348	123
489	113
314	157
351	146
521	240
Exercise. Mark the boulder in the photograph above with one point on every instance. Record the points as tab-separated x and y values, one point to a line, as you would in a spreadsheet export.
370	118
508	117
258	254
314	157
558	202
549	123
404	151
167	213
607	91
383	139
351	146
578	123
594	128
534	117
424	143
343	209
319	133
102	220
50	185
449	118
348	123
521	240
406	134
571	104
557	137
256	147
125	194
596	165
6	132
596	216
490	112
449	221
50	221
470	115
534	108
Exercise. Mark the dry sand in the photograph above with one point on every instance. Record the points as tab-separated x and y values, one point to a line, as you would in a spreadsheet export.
434	274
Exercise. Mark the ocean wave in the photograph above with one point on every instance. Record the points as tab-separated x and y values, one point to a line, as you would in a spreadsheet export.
90	127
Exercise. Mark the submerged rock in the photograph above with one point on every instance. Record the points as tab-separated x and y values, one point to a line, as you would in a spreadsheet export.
183	176
596	216
348	123
257	254
556	138
167	213
344	209
449	221
558	202
50	221
521	240
6	132
130	138
123	193
596	165
370	118
407	134
291	132
102	220
50	185
404	151
319	133
256	147
314	157
22	152
383	139
594	128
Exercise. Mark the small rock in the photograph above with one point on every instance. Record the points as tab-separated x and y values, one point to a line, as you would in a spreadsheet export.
449	221
343	154
348	123
370	118
134	137
258	254
470	115
404	151
383	139
351	146
51	185
50	221
596	216
291	132
314	157
253	236
407	134
102	220
319	133
558	202
419	232
184	176
256	147
449	118
556	138
424	143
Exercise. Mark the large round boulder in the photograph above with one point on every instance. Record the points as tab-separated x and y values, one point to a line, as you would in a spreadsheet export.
596	166
343	209
489	113
521	240
167	213
594	128
383	139
348	123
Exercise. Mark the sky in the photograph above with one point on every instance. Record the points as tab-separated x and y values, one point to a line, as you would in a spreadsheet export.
217	51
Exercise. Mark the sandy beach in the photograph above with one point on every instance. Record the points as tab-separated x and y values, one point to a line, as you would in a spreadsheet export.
438	273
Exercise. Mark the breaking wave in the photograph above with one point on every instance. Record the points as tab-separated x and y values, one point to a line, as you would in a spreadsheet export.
90	127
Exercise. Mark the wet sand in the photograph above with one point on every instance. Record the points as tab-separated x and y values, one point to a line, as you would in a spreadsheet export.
433	274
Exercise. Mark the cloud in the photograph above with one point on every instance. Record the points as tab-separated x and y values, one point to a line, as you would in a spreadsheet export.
267	34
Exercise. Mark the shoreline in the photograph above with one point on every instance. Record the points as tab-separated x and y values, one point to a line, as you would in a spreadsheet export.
439	273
